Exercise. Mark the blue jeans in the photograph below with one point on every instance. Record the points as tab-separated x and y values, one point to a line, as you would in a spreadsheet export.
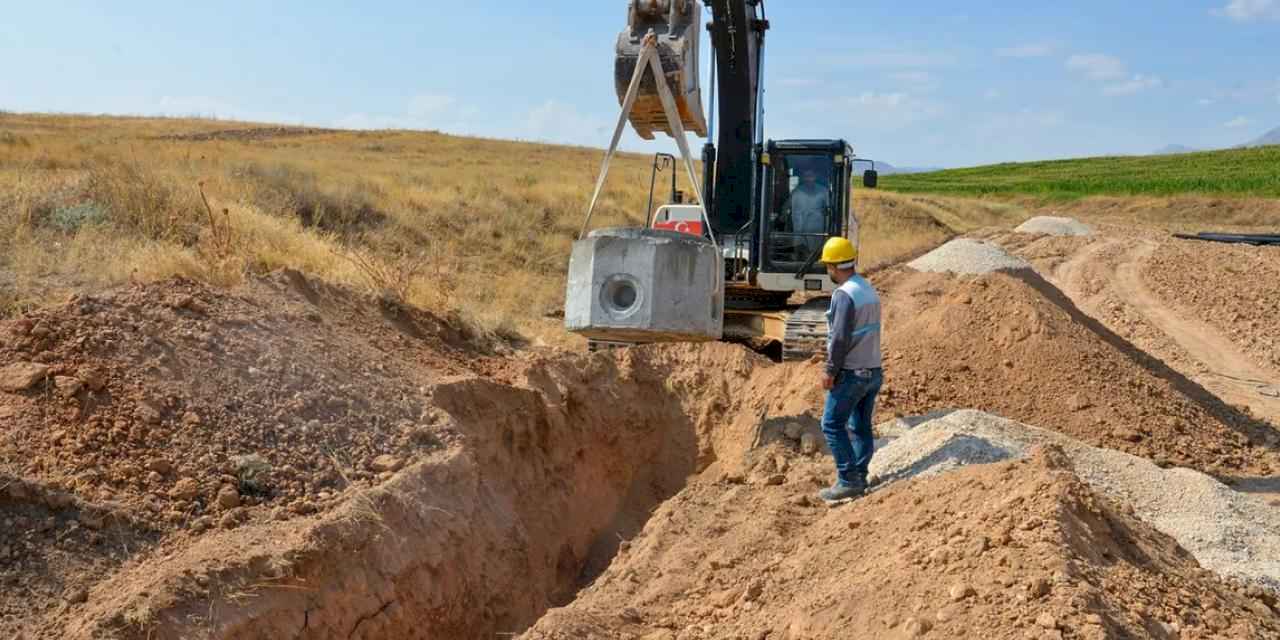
850	405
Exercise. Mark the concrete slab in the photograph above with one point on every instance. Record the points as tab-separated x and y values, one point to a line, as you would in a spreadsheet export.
645	285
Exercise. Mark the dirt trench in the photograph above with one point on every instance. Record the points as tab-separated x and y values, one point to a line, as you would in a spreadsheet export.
481	538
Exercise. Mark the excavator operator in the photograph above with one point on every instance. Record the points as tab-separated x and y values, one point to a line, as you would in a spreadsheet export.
809	203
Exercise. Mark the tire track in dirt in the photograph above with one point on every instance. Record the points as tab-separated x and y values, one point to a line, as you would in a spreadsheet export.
1233	376
1225	370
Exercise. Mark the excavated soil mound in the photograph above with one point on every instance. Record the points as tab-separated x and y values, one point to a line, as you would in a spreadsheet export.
1013	345
176	403
292	460
1011	550
1235	534
135	421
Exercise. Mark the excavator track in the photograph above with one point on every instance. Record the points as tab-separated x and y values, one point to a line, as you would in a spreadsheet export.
806	332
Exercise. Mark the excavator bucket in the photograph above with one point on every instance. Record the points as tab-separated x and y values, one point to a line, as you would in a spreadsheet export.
678	26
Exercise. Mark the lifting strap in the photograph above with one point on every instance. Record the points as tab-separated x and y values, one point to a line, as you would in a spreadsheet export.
650	61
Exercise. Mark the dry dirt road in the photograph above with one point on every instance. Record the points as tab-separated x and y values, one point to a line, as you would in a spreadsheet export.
1110	277
1219	366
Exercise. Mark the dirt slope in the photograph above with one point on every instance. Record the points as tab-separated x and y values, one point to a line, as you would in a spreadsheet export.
156	397
1014	345
1117	278
289	459
392	459
939	558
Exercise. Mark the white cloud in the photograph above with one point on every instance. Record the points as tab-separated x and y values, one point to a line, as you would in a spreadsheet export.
798	83
429	105
916	77
1250	10
1136	84
899	60
1030	50
1237	123
993	94
556	121
1098	66
1204	102
1113	73
880	100
209	107
887	109
1028	118
921	81
424	112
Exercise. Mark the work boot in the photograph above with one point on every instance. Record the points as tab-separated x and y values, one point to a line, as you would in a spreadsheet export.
842	493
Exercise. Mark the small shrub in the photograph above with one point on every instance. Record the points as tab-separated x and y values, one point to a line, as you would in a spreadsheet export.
72	218
347	210
143	203
392	278
11	139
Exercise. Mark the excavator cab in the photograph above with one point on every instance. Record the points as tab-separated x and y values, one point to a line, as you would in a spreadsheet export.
805	188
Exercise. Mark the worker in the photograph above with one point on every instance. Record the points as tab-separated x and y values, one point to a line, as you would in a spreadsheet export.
853	373
809	203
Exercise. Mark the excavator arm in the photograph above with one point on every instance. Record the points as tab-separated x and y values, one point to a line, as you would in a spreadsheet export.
737	36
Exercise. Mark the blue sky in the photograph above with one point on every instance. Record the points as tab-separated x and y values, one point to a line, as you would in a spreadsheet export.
918	83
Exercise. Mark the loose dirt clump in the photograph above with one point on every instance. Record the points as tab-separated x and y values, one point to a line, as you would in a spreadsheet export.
940	558
1014	345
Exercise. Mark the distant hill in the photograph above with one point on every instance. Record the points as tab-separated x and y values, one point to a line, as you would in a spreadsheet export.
1269	138
886	169
1174	149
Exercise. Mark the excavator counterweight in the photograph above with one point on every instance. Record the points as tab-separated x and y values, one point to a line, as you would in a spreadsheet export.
678	26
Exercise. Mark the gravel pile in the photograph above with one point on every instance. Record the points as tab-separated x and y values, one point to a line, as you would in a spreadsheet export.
1233	534
1053	226
963	255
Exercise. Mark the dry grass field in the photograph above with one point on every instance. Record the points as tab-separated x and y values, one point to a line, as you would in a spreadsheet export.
480	227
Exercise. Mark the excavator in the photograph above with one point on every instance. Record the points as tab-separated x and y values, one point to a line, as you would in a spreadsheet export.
770	205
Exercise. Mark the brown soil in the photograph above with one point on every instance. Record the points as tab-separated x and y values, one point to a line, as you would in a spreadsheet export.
395	462
1234	288
158	397
1110	277
292	460
1014	345
938	558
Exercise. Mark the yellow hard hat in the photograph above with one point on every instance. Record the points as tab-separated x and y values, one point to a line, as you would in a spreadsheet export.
839	251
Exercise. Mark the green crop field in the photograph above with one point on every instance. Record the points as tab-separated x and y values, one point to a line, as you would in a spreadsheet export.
1235	172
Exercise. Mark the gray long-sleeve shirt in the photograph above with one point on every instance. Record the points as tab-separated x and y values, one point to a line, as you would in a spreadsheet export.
853	327
809	209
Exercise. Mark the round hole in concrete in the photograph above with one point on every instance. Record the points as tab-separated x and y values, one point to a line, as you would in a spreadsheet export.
621	295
